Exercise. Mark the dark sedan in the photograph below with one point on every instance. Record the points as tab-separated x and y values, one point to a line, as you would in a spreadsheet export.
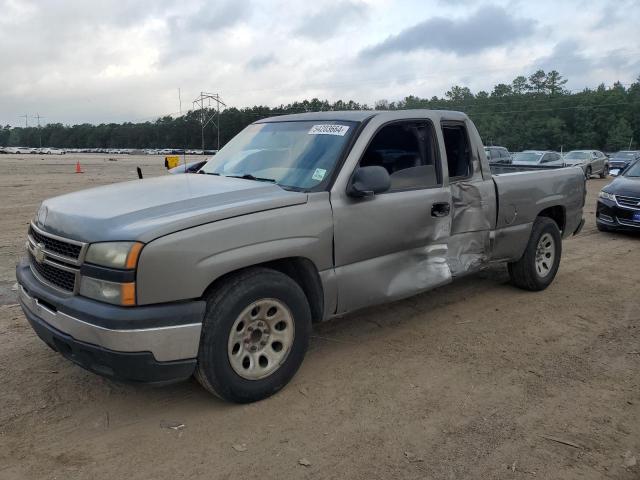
621	160
619	202
192	167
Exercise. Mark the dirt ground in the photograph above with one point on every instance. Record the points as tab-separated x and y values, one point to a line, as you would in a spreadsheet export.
474	380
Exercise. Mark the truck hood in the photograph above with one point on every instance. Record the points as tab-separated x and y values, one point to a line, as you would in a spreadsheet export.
147	209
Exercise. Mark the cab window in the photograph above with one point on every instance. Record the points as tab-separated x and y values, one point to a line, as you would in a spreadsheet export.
407	150
456	142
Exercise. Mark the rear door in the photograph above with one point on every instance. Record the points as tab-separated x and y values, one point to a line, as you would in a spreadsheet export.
394	244
473	195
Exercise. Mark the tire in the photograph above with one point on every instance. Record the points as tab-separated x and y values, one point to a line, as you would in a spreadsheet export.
605	171
525	272
235	310
587	174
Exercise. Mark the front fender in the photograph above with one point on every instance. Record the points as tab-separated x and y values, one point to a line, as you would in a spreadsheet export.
182	265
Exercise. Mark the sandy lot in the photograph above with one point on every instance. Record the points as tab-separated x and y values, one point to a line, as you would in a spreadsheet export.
474	380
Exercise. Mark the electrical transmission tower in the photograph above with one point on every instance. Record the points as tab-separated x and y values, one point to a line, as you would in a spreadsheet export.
207	114
39	132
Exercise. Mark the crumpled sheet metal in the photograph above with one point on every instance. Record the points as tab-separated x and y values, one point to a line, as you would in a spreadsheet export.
470	211
397	275
468	252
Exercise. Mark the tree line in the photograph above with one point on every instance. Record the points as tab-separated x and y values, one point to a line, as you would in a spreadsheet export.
535	112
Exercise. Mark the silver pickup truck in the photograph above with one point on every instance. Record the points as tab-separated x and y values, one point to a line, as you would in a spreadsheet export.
299	218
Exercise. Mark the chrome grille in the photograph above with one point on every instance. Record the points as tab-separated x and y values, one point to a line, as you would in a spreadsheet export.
62	278
55	261
629	202
55	245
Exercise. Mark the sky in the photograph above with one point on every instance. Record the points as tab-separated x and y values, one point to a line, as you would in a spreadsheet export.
80	61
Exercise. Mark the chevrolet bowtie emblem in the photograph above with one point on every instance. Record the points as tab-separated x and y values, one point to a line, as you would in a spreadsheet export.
38	252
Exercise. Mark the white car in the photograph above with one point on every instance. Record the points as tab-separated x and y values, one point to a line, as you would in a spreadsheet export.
53	151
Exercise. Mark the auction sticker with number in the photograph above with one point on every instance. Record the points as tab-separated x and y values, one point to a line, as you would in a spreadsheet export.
326	129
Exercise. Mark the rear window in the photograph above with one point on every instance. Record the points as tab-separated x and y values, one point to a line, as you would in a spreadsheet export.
577	156
527	157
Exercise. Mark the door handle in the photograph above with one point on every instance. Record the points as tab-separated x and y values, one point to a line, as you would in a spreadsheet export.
441	209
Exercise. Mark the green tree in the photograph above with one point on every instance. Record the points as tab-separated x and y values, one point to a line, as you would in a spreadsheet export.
620	135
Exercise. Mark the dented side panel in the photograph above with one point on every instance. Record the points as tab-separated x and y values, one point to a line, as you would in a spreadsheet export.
389	246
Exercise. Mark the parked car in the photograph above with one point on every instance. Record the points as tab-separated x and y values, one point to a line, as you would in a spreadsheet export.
619	202
53	151
542	158
621	160
299	218
592	162
497	154
191	167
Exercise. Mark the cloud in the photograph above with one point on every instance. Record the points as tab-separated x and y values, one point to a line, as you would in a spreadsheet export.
486	28
188	31
327	21
124	60
568	58
258	62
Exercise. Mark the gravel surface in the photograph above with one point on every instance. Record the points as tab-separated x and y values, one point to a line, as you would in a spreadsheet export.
474	380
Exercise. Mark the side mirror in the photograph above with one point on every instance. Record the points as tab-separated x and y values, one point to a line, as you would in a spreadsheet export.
367	181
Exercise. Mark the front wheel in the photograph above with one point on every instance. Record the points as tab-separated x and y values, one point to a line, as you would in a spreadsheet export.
587	174
538	266
254	335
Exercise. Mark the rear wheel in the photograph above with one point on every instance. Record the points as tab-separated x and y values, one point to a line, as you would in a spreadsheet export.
605	171
538	266
254	335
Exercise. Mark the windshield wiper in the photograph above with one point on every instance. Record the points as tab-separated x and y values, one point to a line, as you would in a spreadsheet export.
248	176
208	173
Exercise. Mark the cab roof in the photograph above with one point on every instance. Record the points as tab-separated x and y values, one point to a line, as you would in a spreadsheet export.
356	115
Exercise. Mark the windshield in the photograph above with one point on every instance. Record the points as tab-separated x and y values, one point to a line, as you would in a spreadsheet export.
577	156
633	171
623	155
297	155
527	157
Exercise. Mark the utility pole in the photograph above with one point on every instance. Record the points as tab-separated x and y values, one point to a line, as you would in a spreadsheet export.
203	102
25	116
39	132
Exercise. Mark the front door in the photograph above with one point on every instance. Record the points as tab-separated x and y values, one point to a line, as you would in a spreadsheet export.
394	244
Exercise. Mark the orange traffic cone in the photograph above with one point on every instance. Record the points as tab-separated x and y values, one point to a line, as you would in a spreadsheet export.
78	168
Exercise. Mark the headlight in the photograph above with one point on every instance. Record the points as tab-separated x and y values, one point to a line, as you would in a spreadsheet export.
114	254
608	196
119	255
110	292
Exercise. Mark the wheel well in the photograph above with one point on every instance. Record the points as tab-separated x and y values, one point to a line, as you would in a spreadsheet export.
557	214
302	270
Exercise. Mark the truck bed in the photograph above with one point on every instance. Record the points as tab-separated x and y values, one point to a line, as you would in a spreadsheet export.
502	168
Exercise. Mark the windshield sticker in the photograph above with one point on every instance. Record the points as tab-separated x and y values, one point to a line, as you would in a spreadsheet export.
325	129
319	173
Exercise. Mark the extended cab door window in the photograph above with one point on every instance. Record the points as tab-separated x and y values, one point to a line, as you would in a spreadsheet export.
407	150
456	143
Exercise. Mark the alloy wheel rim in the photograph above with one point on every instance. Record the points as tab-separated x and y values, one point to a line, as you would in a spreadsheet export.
261	339
545	255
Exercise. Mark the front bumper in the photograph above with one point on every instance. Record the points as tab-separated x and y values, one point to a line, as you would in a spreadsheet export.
155	344
610	215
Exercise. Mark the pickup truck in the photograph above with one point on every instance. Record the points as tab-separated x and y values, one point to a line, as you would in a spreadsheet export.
299	218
